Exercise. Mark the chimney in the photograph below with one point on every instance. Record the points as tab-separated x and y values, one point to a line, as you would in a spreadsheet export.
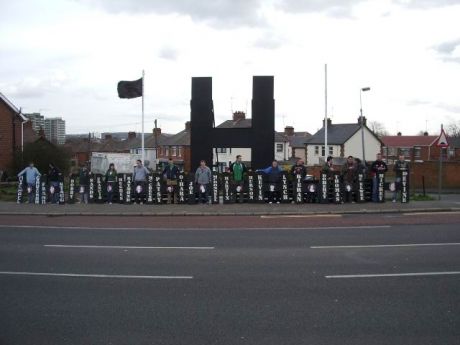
329	122
364	120
188	125
399	134
239	115
425	134
289	131
131	135
157	132
108	137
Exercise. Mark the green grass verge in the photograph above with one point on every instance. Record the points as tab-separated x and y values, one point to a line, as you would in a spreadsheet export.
8	192
421	197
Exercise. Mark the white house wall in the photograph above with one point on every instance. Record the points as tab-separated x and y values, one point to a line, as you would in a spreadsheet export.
313	159
353	147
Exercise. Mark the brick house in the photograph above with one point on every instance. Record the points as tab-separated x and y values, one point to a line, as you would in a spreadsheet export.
15	131
417	148
177	147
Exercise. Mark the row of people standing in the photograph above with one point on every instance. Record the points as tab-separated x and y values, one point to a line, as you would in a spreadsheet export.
350	170
31	174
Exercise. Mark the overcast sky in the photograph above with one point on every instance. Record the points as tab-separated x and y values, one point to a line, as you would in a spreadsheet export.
65	57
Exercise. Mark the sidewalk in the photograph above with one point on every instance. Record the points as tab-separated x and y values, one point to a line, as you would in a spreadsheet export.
448	203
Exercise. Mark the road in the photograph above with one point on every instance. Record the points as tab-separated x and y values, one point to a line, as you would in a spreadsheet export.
230	280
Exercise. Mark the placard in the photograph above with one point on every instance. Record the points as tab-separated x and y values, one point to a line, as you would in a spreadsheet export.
361	197
405	187
157	189
251	188
284	188
260	187
381	187
215	188
149	198
38	194
20	189
181	189
227	189
121	189
324	192
337	189
128	188
71	196
298	189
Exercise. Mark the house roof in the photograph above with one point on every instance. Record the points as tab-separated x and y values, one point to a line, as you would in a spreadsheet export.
12	107
299	139
408	140
242	123
336	134
180	139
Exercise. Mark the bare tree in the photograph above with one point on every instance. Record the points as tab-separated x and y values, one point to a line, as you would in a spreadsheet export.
453	129
378	128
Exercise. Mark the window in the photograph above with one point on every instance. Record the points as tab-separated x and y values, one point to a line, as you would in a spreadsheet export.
417	152
173	151
179	151
166	151
221	150
323	150
316	150
279	147
331	150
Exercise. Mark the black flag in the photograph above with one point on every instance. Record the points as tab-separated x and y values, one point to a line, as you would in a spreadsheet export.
130	89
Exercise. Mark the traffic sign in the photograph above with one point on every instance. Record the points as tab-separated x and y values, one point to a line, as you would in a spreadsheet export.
442	140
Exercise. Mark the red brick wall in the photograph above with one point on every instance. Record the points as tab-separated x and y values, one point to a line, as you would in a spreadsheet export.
6	137
429	170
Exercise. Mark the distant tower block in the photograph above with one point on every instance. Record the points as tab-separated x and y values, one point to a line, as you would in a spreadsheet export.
260	137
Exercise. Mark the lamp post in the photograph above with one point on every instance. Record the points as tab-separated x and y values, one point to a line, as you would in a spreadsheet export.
361	118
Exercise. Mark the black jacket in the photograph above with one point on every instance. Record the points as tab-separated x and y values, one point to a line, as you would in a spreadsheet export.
171	173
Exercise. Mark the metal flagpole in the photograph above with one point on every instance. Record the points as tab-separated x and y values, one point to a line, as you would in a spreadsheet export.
325	112
142	137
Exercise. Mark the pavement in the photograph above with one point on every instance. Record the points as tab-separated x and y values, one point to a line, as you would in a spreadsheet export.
331	285
448	203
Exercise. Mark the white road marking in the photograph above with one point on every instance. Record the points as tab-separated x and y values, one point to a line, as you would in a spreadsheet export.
92	275
419	274
303	216
430	213
121	247
387	245
53	227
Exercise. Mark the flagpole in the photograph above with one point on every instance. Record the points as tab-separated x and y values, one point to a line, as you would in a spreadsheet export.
326	151
143	91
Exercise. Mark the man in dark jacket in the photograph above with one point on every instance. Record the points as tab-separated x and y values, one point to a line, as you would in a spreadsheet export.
377	167
400	167
299	168
170	175
83	180
349	172
54	175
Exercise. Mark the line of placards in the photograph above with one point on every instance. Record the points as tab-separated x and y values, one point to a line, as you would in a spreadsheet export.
254	189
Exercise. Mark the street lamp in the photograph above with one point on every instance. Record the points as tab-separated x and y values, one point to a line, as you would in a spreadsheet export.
361	119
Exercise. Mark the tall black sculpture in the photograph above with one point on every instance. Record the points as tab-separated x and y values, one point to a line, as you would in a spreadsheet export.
260	137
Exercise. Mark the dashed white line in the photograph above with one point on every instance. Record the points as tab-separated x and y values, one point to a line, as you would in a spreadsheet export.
387	245
303	216
418	274
110	276
54	227
122	247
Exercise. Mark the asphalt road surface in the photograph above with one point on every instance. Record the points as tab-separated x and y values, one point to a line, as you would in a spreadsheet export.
228	280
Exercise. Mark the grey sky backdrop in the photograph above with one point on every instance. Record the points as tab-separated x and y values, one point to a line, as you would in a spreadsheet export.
65	57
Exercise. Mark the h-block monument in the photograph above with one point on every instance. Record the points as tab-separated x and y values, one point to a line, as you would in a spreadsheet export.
260	137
